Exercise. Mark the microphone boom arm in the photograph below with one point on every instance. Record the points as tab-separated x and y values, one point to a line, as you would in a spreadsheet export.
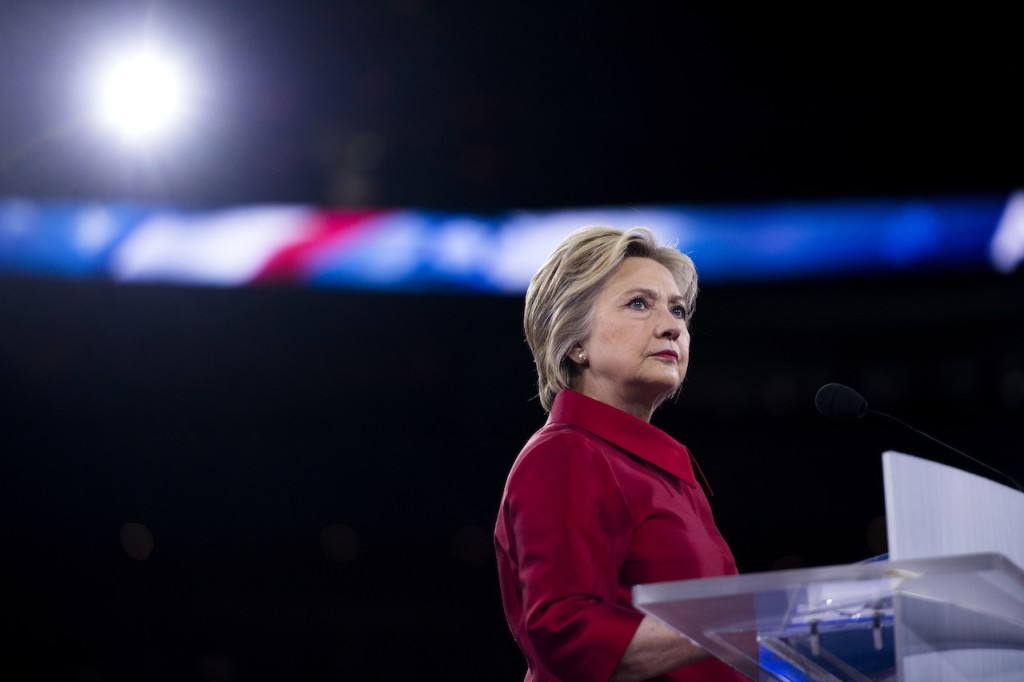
919	432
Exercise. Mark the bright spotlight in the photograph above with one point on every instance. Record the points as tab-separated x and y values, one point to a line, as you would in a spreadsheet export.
141	94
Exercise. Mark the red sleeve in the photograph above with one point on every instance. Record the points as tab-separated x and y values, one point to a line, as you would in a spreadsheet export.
570	529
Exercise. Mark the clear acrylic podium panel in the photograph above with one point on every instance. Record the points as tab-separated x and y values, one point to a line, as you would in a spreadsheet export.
948	618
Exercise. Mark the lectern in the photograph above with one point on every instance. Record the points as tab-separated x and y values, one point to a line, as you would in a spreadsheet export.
946	605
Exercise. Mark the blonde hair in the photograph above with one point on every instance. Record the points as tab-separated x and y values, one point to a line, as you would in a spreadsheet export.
560	299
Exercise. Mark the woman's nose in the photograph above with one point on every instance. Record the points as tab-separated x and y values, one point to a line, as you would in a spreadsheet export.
670	326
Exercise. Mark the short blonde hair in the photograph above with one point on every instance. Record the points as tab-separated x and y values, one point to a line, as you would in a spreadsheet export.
560	299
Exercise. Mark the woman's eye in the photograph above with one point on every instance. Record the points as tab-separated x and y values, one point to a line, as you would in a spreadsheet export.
638	304
679	311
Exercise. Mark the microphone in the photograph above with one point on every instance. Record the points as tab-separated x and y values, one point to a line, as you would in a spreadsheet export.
840	402
845	404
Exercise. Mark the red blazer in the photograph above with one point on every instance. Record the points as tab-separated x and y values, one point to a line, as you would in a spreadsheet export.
596	502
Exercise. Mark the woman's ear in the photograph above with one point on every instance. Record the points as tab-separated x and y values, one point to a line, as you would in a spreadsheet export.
578	355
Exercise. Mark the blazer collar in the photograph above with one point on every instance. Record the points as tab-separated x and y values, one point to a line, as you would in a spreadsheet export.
626	432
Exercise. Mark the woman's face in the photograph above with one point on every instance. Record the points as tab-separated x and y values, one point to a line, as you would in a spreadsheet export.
639	346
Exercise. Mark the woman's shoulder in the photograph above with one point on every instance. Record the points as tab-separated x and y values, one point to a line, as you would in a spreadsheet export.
561	437
560	445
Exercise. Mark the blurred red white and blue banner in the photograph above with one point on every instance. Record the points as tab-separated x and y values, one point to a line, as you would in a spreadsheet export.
432	251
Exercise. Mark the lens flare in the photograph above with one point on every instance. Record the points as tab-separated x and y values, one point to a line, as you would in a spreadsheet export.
142	94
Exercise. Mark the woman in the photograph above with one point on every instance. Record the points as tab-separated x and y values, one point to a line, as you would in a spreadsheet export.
600	500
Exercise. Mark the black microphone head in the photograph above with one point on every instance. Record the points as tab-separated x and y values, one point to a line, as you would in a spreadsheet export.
840	402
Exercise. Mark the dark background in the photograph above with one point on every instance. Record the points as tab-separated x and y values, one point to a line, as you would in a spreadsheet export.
319	470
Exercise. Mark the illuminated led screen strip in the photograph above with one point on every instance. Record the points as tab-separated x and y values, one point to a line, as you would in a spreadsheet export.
430	251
